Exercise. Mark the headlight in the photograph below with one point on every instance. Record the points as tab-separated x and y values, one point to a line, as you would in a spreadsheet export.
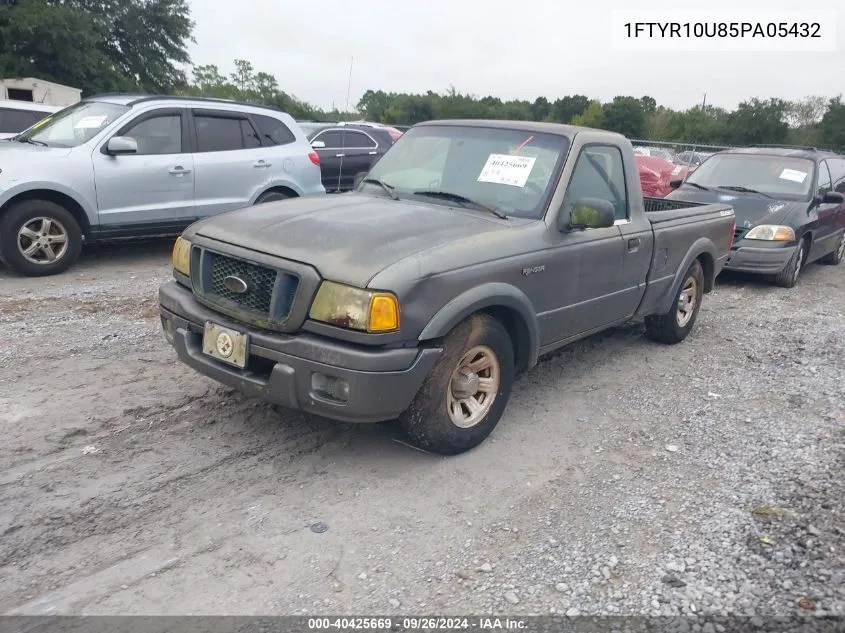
771	232
182	256
345	306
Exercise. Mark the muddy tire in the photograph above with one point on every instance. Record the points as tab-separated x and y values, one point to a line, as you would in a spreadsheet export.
788	277
833	258
466	392
39	238
674	326
271	196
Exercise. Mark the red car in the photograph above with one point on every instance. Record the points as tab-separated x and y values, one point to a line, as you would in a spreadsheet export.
656	174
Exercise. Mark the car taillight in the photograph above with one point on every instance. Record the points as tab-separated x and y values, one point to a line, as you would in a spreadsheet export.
315	158
733	232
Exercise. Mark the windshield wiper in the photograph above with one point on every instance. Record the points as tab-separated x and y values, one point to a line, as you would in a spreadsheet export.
695	184
743	189
456	197
20	139
383	185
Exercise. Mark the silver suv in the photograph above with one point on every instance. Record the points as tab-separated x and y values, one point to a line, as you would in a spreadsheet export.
128	166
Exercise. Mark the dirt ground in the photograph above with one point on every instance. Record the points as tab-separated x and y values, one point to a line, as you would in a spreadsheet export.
131	485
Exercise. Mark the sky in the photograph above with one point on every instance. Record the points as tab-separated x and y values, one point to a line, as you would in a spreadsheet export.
504	48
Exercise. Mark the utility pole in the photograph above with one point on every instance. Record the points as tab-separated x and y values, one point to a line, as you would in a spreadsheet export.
704	102
348	86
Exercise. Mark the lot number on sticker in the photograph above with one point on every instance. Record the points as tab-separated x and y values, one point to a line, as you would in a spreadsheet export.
507	170
793	174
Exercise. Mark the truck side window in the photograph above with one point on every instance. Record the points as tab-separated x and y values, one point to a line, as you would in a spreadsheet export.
599	174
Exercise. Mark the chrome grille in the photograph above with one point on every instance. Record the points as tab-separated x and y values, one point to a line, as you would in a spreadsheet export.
260	282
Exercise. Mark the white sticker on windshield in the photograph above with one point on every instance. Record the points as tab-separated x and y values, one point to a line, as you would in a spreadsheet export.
90	121
503	169
677	170
794	175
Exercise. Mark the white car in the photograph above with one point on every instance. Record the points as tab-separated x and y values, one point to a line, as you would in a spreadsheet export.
16	116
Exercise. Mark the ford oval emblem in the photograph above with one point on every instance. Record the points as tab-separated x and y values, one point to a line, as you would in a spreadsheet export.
235	284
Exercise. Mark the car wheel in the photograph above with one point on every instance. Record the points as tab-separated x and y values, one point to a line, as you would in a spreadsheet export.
466	392
39	238
674	326
788	277
271	196
832	259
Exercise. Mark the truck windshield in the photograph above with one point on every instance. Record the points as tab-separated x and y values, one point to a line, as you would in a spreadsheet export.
72	126
511	171
776	176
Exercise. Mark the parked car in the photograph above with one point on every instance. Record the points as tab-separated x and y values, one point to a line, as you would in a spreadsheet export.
470	249
657	174
16	116
347	151
125	166
691	158
789	205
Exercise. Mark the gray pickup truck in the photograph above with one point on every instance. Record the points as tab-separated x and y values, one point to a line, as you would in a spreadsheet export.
469	250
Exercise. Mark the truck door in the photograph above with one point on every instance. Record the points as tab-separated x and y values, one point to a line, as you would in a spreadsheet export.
594	259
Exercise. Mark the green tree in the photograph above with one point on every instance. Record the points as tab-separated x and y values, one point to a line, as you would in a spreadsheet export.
97	45
758	121
832	126
564	109
593	116
625	115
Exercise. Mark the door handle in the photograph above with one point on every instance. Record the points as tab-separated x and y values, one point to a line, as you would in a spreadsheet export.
179	170
339	155
373	153
261	163
633	244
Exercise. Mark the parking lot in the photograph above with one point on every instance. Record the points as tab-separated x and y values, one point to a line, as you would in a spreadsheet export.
625	477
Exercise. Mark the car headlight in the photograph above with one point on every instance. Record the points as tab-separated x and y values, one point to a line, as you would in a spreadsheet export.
771	232
182	256
355	308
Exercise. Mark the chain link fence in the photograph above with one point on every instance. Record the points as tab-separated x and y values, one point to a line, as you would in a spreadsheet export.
690	154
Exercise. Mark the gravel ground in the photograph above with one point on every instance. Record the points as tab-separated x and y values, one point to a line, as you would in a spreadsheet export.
626	477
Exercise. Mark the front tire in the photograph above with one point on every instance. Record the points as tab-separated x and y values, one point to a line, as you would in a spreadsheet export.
465	395
39	238
833	259
674	326
788	277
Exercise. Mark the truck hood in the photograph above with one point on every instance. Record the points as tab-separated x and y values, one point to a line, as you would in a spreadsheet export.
750	209
347	237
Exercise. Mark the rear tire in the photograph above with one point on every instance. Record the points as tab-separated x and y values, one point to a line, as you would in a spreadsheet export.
272	196
788	277
832	259
674	325
39	238
477	365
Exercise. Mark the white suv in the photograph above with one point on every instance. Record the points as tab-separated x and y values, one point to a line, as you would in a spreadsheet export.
124	166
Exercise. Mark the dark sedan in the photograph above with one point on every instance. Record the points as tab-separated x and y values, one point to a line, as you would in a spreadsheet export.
346	150
789	205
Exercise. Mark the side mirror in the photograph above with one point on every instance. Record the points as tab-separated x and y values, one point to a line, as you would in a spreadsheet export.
122	145
833	197
318	144
676	183
587	213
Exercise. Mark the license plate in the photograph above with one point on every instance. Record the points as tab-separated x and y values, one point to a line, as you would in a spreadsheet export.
226	345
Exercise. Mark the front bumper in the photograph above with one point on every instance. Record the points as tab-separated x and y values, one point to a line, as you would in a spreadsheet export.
280	368
764	258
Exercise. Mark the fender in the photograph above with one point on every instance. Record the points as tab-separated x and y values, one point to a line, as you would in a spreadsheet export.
700	246
44	185
276	182
486	296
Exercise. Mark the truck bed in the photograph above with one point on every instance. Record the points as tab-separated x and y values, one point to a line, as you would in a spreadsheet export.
680	228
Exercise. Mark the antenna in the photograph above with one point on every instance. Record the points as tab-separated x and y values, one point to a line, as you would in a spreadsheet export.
343	130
